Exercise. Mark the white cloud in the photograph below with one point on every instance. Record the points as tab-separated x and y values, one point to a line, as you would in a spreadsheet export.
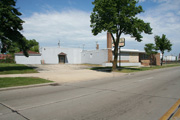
153	0
71	27
164	19
141	0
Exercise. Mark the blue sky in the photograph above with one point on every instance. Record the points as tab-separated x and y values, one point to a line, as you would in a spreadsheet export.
68	21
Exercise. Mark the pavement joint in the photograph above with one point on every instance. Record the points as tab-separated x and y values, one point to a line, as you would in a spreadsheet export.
14	111
80	96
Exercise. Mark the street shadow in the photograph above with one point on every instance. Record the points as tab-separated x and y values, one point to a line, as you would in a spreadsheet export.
109	69
102	69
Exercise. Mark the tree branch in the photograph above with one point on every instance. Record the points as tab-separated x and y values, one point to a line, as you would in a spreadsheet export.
113	38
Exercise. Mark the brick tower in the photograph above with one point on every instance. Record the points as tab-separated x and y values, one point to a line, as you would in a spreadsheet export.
109	46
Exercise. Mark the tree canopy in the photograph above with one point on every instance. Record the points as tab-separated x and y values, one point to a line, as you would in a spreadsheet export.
12	47
118	17
162	44
150	49
33	45
11	25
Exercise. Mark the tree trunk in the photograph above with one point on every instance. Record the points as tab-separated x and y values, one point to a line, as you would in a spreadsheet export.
115	59
116	44
162	59
150	63
115	53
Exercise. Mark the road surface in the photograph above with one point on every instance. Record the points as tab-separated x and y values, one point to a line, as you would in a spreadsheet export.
136	96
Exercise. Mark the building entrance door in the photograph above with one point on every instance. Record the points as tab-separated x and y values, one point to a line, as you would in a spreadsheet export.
61	58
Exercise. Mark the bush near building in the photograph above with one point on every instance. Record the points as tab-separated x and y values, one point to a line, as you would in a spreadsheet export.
6	58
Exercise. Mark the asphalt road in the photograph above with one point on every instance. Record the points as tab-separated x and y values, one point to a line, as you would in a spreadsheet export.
136	96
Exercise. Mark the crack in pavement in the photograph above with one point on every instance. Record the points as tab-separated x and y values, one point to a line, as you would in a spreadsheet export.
14	111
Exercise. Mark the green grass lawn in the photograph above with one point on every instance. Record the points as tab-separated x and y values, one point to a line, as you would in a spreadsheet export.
133	69
6	68
21	81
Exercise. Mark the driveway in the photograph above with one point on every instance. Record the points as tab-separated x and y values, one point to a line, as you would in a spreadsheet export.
63	73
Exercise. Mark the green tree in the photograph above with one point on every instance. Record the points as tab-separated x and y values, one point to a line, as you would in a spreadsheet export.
118	17
162	44
150	50
11	25
33	45
12	47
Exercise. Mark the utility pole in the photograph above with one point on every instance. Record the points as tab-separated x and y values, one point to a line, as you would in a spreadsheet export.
83	46
121	44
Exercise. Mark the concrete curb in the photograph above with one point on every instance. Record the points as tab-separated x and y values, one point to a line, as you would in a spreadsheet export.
29	86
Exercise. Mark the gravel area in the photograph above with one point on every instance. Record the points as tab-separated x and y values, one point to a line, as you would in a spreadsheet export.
63	73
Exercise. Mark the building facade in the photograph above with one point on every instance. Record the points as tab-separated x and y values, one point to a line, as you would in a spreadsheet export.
59	55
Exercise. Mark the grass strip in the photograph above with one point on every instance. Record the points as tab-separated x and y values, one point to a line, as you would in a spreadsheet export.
21	81
133	69
6	68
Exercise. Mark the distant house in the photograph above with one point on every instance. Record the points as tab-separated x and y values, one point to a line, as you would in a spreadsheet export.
59	55
5	56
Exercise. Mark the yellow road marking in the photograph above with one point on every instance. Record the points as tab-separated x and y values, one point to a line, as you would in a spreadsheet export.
171	111
177	115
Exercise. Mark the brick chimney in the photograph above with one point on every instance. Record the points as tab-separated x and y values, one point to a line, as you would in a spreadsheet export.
109	46
97	46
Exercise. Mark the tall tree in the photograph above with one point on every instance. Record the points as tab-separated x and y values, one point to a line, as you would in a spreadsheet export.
162	44
11	25
118	17
150	51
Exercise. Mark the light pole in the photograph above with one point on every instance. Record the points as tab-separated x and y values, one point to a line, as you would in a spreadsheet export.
119	56
83	46
121	44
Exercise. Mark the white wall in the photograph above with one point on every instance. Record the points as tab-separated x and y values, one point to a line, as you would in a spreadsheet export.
21	59
170	58
122	64
50	55
124	56
95	56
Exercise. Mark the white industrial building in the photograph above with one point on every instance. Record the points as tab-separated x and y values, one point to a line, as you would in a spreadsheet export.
94	56
56	55
170	58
